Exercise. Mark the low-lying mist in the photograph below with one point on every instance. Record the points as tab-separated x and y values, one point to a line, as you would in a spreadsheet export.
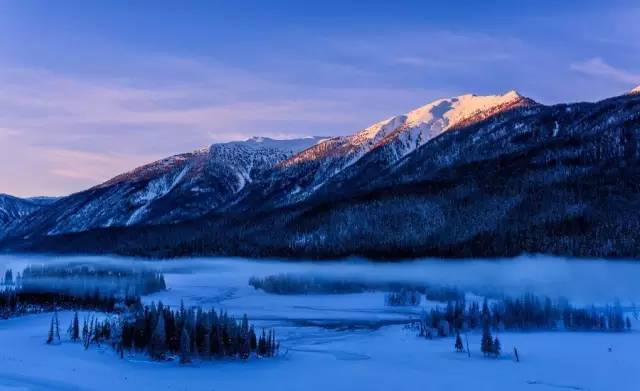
580	280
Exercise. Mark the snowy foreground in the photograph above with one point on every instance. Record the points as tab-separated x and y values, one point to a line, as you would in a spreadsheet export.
345	342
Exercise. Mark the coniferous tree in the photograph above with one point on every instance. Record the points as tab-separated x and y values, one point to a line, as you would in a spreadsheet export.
8	277
85	333
253	342
206	352
75	328
262	344
486	344
185	347
51	333
157	348
53	337
57	327
459	347
496	347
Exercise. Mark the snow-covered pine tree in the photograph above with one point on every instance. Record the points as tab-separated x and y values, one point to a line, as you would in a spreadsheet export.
50	334
486	313
262	344
86	336
57	328
53	337
486	344
496	347
157	348
253	342
459	347
8	277
244	344
185	347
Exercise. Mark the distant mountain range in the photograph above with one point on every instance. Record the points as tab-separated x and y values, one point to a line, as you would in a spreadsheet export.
459	177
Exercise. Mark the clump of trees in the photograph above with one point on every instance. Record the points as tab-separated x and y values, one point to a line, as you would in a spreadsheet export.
81	278
163	332
293	284
185	334
488	345
525	313
298	284
16	302
403	298
50	287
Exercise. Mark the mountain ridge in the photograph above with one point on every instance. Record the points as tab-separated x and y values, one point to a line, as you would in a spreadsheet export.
175	188
514	178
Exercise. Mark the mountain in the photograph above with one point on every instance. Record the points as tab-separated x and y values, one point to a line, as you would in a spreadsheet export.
176	188
461	177
635	90
13	208
387	141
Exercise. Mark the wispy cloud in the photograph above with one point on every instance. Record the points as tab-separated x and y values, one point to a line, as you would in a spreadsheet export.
92	166
79	130
597	67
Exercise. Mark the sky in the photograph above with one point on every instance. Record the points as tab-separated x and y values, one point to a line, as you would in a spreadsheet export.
90	89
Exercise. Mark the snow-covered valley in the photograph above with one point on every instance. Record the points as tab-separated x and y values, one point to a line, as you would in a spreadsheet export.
345	341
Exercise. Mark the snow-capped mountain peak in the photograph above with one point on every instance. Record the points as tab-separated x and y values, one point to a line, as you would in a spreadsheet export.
437	116
446	113
635	90
402	134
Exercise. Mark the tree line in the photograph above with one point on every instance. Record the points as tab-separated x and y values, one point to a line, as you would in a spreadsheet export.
50	287
78	278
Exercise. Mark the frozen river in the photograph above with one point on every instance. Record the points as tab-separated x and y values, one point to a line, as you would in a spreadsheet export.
346	341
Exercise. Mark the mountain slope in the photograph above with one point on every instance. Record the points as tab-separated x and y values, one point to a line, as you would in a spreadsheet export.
389	141
176	188
13	208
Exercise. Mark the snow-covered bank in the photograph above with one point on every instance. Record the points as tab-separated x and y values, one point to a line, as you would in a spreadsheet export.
346	341
317	359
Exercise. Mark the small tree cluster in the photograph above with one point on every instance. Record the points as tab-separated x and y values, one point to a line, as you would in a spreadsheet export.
524	313
82	279
14	301
292	284
301	284
403	298
488	345
163	332
609	319
50	287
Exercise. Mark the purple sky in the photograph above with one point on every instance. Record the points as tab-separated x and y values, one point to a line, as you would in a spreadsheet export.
91	89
